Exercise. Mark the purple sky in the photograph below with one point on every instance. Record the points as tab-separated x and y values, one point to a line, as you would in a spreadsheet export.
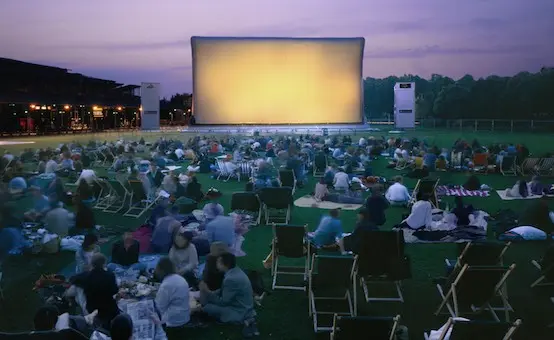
143	40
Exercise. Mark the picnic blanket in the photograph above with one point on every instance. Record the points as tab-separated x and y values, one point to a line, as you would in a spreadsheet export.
502	194
310	202
443	190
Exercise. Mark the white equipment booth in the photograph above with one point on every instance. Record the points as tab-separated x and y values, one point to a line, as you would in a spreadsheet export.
404	105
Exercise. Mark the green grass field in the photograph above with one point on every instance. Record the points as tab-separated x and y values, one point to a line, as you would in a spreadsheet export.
284	314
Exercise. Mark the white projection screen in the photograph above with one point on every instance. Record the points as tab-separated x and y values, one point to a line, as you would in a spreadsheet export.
277	80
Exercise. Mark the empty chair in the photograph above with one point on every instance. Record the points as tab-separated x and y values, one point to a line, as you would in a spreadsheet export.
529	166
476	330
289	241
546	269
472	289
140	201
288	179
382	260
331	278
427	186
105	196
479	254
508	166
276	204
545	167
364	327
247	201
120	196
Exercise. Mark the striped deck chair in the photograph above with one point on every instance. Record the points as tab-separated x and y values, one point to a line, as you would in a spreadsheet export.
546	167
529	166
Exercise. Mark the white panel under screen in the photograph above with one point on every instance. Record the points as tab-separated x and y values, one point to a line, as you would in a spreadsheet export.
277	80
150	102
404	105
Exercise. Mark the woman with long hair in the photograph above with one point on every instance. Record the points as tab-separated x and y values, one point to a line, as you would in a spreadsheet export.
184	256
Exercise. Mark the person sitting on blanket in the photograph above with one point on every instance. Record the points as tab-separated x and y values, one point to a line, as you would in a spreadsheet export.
121	328
519	190
40	205
125	254
397	194
194	189
341	181
352	195
321	190
154	175
84	218
535	186
212	209
184	256
473	183
376	204
462	211
328	231
329	175
537	214
421	215
83	255
211	276
49	318
163	233
352	242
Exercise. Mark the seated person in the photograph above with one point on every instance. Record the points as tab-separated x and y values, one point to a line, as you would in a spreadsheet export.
537	214
184	256
84	218
48	318
211	275
40	205
121	328
125	254
352	242
58	220
341	181
421	215
397	194
535	186
162	235
51	166
234	302
352	195
168	183
429	160
84	193
99	287
441	164
472	183
194	190
212	209
462	211
67	162
376	205
328	230
221	229
519	189
172	299
329	175
154	175
321	190
83	255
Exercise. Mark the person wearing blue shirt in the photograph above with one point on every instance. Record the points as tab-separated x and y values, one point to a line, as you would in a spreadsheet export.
429	160
221	229
40	205
328	230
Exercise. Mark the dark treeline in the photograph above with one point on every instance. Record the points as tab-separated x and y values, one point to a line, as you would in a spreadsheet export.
523	96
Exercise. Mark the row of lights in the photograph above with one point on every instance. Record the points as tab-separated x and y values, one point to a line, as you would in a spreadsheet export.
67	107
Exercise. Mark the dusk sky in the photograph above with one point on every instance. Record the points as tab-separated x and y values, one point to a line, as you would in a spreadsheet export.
139	40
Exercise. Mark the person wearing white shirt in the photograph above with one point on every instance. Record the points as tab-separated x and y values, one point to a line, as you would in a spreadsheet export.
362	142
397	154
341	180
51	166
337	153
172	299
397	194
405	155
179	153
421	215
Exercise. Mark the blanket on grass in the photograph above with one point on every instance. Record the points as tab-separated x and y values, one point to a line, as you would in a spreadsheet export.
443	190
502	194
310	202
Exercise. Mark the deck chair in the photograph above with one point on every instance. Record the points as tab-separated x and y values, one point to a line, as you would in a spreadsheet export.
529	166
362	327
545	167
245	169
455	159
276	204
426	186
546	269
481	163
478	330
381	260
508	166
330	279
320	165
473	289
247	201
289	241
105	196
479	254
288	179
140	202
225	171
120	196
401	164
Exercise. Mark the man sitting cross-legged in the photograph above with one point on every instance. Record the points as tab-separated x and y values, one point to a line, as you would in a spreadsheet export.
397	194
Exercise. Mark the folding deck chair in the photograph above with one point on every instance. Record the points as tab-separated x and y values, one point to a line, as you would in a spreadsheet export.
140	202
364	327
455	159
120	196
382	260
289	241
479	254
224	171
426	186
481	163
105	196
529	166
473	288
331	279
478	330
276	204
320	165
508	166
545	167
546	269
245	169
247	201
288	179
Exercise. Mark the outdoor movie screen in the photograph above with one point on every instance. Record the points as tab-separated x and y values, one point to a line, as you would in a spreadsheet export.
277	80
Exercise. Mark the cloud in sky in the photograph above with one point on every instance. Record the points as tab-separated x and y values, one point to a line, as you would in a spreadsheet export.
141	40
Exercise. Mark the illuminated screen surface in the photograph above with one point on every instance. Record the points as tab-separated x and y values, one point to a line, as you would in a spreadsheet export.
277	80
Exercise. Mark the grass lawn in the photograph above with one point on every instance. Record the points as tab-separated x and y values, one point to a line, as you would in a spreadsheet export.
284	314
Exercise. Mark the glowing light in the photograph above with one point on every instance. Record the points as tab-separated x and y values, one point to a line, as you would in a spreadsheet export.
66	107
277	81
119	108
140	108
95	107
43	107
32	106
49	107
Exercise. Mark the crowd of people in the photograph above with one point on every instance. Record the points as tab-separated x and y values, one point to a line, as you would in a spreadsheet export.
224	291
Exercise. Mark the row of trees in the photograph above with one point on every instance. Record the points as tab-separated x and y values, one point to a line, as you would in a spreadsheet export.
523	96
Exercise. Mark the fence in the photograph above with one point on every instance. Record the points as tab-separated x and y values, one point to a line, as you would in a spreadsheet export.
490	125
